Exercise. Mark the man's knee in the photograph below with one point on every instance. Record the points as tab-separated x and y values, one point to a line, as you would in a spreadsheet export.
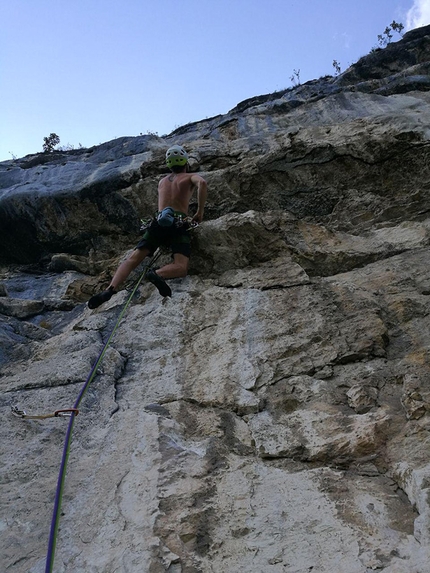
134	259
138	255
182	271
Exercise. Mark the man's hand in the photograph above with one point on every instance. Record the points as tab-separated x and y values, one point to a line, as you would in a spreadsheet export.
198	217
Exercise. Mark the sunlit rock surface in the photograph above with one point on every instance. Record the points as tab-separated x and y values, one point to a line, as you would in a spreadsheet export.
273	415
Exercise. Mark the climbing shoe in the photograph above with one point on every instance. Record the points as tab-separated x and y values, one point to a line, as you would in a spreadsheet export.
100	298
159	283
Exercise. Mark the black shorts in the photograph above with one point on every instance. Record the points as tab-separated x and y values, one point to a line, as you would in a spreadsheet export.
177	238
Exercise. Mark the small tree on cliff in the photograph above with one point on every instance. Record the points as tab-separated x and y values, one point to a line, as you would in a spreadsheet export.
50	142
337	67
385	38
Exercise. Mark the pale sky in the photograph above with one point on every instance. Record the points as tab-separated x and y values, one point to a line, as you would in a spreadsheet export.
94	70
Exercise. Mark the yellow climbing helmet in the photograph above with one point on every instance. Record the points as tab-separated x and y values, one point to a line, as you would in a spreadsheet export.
176	155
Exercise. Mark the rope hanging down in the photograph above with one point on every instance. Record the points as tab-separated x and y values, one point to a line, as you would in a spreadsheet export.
62	473
72	413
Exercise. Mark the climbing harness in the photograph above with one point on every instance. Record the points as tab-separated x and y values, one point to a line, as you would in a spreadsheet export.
186	221
174	219
71	413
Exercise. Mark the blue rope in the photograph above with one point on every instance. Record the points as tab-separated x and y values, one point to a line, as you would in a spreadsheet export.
66	450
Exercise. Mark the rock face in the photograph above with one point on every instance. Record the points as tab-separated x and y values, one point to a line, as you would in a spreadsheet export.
273	415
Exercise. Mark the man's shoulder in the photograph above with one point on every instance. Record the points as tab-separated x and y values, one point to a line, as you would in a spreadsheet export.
195	176
190	178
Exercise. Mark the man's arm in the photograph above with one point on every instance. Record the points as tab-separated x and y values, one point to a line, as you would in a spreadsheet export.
202	192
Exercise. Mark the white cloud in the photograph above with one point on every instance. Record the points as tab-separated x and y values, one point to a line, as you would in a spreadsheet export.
418	15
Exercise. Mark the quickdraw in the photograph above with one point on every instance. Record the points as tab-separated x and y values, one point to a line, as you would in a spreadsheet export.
65	413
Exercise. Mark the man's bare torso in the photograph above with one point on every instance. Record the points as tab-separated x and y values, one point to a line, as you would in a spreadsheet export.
175	191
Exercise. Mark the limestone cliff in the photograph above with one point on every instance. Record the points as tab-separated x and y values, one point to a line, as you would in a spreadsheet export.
273	415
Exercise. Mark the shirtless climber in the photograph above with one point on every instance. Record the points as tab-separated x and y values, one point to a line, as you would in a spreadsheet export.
174	195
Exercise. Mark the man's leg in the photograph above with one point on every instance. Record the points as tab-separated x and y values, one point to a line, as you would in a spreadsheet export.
128	266
119	277
177	269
